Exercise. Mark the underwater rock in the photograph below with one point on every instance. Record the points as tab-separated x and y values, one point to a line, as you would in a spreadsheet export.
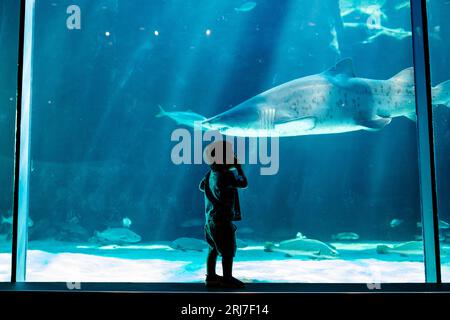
116	236
403	249
302	247
185	244
345	236
246	7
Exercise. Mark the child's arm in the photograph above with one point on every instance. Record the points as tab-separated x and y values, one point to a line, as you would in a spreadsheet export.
201	186
240	180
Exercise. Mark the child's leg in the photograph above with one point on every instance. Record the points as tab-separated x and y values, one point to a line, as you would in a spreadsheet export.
227	266
211	262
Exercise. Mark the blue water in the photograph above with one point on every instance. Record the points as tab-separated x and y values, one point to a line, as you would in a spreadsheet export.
99	154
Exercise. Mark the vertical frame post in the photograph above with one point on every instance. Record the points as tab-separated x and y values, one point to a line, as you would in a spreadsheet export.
22	145
428	195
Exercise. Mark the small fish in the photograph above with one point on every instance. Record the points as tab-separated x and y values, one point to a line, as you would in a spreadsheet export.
9	220
126	222
419	237
335	41
403	249
241	243
117	236
246	7
402	5
442	224
192	244
193	223
187	118
345	236
395	223
301	247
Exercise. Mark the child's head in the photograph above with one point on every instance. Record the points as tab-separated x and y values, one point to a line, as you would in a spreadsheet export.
220	155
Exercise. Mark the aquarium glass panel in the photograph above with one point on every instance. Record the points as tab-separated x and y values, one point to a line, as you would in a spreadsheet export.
439	38
126	94
9	33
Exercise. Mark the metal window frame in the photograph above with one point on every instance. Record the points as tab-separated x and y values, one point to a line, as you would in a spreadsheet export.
22	145
425	142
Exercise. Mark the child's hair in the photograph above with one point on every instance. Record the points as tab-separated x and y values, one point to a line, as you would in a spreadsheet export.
220	155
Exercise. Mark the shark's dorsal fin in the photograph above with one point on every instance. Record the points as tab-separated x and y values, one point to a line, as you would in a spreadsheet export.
343	67
406	75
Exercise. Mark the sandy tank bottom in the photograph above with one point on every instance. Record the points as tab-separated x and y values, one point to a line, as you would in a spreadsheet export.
55	261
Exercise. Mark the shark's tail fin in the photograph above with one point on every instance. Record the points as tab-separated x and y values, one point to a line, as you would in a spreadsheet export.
186	118
441	94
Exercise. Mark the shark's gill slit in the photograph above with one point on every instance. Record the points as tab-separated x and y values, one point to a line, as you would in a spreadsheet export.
267	119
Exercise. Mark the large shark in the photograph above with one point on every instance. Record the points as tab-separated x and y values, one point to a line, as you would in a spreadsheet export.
333	101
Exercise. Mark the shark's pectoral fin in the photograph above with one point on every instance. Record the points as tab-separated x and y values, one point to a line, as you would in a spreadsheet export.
374	124
412	116
295	125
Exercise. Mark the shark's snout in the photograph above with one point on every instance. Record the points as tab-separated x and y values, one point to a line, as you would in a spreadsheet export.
215	123
243	116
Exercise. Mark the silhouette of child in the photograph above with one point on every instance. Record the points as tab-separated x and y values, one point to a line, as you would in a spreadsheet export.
220	186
